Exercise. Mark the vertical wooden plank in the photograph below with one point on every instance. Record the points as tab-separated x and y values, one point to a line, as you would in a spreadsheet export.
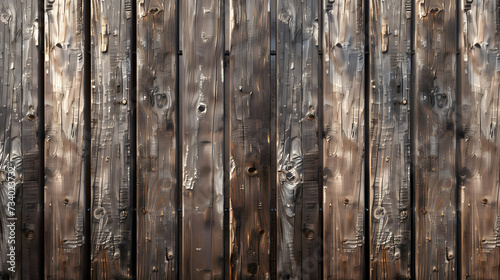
250	112
434	104
390	74
157	66
13	149
64	191
343	109
297	159
202	135
31	188
478	139
110	141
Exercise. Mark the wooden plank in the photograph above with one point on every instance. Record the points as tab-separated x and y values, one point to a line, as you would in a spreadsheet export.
389	114
478	140
32	194
343	159
298	158
157	132
12	147
64	191
250	113
434	104
110	141
202	135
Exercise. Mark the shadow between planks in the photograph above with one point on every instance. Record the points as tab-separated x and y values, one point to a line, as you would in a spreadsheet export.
256	139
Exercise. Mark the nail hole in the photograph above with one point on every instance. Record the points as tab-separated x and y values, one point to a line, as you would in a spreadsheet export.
201	108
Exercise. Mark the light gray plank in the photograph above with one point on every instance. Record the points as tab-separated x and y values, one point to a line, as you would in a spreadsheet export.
478	141
156	139
343	159
11	137
110	56
298	158
64	191
434	103
202	135
390	77
249	96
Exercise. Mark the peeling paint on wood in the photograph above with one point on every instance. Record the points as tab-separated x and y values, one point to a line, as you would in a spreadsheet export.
250	111
298	158
64	191
343	154
390	76
434	135
110	143
202	135
157	148
478	139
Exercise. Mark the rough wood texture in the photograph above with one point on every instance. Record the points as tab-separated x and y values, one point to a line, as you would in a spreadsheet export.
298	158
390	76
156	138
19	195
110	140
343	155
64	136
250	111
434	103
202	135
478	139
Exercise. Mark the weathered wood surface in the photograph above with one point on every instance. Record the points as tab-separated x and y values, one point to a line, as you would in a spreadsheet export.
263	105
389	159
343	155
297	138
19	195
110	140
249	96
64	98
434	104
156	138
478	139
202	135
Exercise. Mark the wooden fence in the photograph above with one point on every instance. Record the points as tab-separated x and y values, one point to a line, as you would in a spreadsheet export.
249	139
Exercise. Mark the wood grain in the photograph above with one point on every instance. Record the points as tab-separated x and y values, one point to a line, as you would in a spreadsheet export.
389	114
64	191
20	192
434	103
111	250
343	158
156	137
297	138
478	139
202	135
250	112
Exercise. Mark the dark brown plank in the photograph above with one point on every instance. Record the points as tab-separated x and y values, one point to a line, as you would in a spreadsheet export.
32	193
156	138
202	135
110	238
390	77
250	111
343	115
298	158
478	141
434	103
64	191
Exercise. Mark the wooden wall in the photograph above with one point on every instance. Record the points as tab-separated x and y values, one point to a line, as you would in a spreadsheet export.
249	139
